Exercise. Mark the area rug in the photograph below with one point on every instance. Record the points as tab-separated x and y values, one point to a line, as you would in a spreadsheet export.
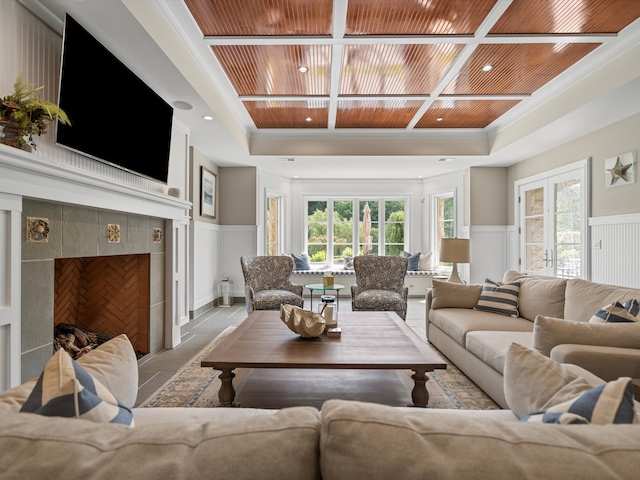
194	386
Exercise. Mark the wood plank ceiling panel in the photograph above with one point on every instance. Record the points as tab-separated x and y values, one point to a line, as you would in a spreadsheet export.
289	114
395	69
273	69
416	17
452	113
262	17
517	68
565	17
395	113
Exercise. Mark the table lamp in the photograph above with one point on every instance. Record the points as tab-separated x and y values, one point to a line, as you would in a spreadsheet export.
455	250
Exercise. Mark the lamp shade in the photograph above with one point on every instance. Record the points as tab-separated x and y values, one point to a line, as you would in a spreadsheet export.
455	250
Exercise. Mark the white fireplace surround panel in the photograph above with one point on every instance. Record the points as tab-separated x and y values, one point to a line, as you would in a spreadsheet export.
24	174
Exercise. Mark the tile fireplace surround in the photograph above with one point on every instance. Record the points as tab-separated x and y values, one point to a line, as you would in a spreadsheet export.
51	210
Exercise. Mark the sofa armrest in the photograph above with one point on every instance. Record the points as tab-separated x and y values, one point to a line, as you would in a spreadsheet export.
608	363
549	332
295	288
429	299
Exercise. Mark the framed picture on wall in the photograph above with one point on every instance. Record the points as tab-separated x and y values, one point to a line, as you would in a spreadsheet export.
207	193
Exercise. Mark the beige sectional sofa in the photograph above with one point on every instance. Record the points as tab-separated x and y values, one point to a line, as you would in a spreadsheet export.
343	440
553	318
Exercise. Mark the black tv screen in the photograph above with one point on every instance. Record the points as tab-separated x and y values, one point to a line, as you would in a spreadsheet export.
115	117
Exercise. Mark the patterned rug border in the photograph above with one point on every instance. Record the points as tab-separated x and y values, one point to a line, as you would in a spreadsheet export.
184	370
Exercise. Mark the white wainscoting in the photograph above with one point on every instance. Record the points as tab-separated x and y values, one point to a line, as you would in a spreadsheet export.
615	251
236	241
204	264
489	253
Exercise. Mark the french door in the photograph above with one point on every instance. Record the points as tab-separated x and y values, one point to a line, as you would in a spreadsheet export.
553	211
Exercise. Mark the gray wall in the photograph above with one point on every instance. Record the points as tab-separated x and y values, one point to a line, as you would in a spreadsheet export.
616	139
486	196
238	196
197	161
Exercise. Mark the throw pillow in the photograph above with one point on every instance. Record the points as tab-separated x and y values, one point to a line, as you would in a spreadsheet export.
301	261
497	298
533	382
618	313
65	389
426	262
608	403
413	259
454	295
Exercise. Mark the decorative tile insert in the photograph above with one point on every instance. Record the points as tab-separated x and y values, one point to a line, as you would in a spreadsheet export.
37	229
157	235
113	233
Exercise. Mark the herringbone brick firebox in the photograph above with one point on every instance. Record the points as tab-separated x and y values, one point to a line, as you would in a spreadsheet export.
108	295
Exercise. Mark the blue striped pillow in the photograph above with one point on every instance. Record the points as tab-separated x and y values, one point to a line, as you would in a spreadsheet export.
499	298
608	403
618	313
65	389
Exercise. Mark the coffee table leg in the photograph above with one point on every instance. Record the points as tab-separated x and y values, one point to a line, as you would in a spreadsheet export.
227	394
419	394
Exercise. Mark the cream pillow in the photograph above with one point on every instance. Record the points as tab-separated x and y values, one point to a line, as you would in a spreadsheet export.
454	295
533	381
549	332
426	262
115	365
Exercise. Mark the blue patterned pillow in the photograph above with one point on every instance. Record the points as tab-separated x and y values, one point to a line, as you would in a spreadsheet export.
413	259
618	313
301	261
65	389
497	298
608	403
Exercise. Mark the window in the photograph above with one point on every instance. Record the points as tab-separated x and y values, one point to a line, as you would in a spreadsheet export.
443	220
359	227
274	225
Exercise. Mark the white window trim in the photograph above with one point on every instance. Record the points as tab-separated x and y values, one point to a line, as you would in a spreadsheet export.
281	225
433	208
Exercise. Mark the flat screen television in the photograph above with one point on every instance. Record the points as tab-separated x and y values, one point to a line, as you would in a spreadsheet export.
115	117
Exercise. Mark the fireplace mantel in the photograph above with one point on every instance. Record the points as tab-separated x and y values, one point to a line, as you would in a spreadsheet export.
29	175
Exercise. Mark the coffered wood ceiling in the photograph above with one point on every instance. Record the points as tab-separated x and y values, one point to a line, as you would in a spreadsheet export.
398	64
392	87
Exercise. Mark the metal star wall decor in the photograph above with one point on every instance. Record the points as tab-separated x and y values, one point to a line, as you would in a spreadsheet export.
620	169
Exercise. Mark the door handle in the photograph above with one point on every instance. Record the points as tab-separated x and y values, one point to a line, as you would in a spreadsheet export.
546	258
551	258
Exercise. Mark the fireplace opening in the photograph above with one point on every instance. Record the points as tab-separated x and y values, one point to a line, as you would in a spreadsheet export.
98	298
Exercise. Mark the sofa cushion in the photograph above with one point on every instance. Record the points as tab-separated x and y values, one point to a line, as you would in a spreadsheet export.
491	347
549	332
541	297
454	295
379	442
499	298
583	298
457	322
618	313
608	403
533	382
278	446
65	389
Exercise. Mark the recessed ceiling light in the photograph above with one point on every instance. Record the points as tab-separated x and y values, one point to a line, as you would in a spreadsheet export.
439	119
308	119
487	68
180	105
419	176
207	117
303	69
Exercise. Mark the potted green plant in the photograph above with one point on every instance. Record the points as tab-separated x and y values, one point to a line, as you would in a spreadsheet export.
24	114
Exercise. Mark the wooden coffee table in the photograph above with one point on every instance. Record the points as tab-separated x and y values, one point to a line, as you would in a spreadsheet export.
370	340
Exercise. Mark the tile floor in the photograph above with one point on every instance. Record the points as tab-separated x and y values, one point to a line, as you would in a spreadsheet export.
155	371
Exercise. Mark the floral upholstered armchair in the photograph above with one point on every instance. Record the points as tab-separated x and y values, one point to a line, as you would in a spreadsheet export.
267	284
380	284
